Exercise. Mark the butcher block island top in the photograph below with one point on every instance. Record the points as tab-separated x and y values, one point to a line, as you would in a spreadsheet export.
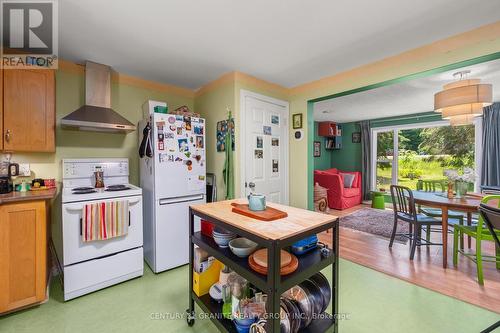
298	220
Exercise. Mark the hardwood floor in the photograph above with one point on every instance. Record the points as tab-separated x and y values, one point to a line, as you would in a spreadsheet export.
426	269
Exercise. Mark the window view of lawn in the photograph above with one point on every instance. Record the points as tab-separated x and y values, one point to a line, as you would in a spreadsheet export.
423	155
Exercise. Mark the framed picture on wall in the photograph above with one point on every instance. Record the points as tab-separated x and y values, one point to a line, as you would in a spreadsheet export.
297	120
317	149
356	137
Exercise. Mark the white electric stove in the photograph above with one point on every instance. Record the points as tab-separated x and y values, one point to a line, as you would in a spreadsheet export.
89	266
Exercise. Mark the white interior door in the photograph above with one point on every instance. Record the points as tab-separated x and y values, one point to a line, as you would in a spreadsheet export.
265	146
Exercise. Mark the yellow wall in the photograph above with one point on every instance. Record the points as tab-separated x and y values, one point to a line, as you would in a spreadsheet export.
211	101
128	95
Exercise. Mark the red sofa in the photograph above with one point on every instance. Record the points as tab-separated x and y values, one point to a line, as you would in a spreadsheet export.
339	197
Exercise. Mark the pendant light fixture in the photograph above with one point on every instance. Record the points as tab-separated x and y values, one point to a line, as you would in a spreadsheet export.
462	100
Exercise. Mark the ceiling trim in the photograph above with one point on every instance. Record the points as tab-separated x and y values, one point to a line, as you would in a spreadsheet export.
120	78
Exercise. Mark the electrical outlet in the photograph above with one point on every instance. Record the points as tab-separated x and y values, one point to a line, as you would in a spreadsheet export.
24	169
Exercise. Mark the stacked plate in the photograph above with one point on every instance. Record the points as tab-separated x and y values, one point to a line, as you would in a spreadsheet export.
222	237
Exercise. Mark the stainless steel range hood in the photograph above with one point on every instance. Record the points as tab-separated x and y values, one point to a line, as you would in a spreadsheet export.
96	115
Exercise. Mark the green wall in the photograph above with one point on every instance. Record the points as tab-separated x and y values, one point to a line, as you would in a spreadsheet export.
325	160
349	157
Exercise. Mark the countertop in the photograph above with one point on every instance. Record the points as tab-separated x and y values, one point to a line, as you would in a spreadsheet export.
298	220
28	196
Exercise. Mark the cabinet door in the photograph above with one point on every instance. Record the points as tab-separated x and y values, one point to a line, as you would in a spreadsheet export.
29	110
23	253
1	108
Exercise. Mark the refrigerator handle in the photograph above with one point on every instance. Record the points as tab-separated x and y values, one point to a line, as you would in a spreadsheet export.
175	200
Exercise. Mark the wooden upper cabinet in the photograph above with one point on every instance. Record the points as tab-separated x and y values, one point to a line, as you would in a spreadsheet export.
29	110
23	254
1	108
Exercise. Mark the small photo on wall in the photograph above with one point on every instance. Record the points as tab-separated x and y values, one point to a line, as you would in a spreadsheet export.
275	142
317	149
356	137
275	166
259	153
297	121
275	120
260	142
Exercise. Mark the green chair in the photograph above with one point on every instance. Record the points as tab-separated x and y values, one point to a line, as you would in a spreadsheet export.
479	233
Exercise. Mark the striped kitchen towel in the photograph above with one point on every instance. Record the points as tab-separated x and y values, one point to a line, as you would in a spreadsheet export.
105	220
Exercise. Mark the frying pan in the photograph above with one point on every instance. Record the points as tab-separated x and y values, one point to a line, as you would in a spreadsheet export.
304	301
322	282
315	292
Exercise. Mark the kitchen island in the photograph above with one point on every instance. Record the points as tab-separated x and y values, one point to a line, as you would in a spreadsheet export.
24	230
274	236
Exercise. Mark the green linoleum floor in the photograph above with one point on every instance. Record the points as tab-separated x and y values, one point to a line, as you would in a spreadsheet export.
373	301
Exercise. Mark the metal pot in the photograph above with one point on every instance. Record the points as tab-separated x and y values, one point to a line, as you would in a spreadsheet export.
315	293
304	301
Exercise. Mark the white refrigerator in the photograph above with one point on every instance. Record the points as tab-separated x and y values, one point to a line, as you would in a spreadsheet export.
171	180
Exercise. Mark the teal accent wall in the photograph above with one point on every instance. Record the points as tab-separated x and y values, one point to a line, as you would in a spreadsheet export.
349	157
325	160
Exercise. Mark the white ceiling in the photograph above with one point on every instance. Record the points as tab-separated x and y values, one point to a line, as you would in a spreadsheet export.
288	42
400	99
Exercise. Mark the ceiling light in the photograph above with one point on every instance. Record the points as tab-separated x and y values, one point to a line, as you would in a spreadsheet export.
462	100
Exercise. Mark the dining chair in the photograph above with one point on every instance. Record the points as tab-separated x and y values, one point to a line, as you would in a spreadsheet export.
489	217
404	210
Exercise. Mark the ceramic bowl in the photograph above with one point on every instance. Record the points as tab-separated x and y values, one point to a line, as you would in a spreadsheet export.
221	231
242	328
223	242
242	247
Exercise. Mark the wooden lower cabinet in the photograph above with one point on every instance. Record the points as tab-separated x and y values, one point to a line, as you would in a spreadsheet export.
23	254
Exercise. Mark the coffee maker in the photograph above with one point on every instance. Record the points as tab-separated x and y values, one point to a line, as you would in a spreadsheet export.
7	170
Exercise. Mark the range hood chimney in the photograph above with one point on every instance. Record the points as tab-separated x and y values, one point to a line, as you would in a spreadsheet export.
96	115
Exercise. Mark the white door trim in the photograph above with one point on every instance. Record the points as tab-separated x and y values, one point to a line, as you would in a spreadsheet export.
243	95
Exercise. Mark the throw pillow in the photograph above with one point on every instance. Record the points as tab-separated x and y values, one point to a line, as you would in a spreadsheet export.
348	179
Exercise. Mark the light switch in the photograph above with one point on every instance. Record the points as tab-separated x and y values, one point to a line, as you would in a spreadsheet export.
24	169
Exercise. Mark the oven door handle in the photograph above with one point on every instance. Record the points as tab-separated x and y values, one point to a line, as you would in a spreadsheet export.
80	207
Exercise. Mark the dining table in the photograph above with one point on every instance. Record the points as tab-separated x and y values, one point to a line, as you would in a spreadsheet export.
467	204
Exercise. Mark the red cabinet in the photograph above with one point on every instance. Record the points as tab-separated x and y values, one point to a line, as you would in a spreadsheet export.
329	128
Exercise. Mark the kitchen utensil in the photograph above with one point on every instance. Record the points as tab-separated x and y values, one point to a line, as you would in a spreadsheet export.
285	325
304	301
256	202
5	185
269	214
242	247
294	315
315	293
13	170
226	298
260	258
223	275
322	282
216	292
290	268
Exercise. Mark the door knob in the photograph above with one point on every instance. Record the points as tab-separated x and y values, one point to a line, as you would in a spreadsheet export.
251	185
7	135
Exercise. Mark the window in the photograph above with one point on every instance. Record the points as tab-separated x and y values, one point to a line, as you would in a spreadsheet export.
417	155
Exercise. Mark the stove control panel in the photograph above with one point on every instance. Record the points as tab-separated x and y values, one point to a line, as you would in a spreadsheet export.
84	168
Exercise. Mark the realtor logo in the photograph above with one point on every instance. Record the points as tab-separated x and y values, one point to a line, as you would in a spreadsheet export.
29	36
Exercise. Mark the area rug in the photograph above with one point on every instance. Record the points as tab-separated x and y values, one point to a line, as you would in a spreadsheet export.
375	221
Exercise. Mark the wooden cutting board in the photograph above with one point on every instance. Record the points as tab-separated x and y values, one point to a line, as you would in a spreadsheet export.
269	214
260	258
290	268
